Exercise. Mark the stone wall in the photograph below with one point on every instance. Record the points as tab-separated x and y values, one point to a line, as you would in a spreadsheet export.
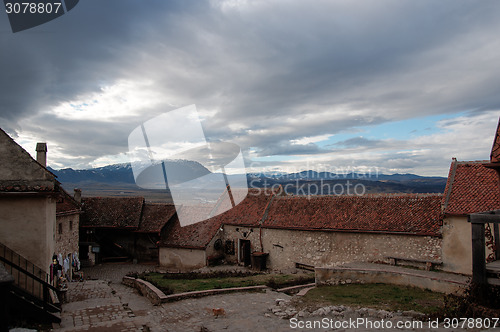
146	289
338	275
324	249
182	259
211	253
67	234
234	233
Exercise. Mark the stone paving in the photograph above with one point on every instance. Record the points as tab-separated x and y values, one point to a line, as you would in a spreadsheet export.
106	304
102	305
114	272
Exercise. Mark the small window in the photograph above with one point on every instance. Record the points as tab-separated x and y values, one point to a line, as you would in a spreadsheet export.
59	226
71	225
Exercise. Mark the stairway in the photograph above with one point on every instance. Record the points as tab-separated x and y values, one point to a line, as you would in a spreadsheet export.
493	273
29	295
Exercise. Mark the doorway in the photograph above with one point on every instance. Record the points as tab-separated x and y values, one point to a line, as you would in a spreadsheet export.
244	252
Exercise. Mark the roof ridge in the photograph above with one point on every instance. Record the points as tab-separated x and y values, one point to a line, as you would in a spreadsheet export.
374	195
26	153
449	184
461	162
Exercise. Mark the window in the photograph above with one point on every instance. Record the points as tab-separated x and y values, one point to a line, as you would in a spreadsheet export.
71	225
59	226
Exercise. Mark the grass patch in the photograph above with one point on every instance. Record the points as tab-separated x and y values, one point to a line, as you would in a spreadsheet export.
379	296
172	283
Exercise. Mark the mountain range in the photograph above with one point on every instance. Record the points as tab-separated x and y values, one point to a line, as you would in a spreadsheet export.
118	180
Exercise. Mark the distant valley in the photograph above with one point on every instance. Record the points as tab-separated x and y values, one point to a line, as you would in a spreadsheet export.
118	180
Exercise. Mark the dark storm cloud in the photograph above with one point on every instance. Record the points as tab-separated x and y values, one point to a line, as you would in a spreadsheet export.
73	55
255	66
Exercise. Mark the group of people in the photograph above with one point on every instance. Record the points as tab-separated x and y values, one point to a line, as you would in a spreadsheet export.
64	269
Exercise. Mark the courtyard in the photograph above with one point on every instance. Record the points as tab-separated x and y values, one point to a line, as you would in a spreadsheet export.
102	303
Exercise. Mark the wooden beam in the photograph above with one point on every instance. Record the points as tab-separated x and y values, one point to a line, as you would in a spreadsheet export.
478	254
480	218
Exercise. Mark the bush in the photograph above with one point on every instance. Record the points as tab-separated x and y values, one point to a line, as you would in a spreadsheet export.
473	304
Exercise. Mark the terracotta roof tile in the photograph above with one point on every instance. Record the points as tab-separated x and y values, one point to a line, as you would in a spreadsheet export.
195	236
155	216
67	204
114	212
28	186
471	188
408	213
248	212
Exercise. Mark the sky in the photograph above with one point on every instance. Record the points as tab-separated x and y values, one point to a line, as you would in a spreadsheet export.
398	86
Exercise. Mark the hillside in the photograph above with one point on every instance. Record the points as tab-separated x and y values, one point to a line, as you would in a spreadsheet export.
118	180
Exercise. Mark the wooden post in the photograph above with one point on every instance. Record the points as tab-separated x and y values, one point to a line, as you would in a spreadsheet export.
478	254
497	241
4	308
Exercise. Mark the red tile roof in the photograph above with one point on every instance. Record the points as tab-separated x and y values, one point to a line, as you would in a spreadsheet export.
111	212
189	214
155	216
471	188
409	213
418	214
195	236
67	204
248	212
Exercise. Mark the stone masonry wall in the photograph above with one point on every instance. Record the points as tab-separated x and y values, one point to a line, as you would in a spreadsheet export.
67	240
326	249
182	259
233	233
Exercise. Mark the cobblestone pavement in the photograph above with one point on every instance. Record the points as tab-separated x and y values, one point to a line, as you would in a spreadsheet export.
107	305
114	272
99	305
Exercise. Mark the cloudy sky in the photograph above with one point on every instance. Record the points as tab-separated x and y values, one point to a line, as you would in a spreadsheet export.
401	86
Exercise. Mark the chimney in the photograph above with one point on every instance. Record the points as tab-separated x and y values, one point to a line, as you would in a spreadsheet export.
41	154
78	195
